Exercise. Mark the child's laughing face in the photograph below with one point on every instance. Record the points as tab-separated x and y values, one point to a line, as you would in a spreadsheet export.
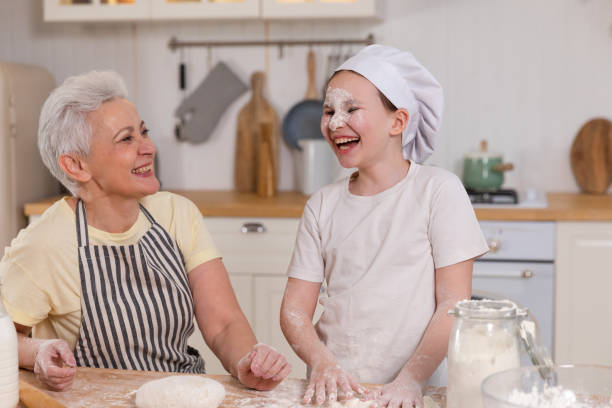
355	122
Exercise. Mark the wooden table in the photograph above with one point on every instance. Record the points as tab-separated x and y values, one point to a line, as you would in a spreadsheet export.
99	387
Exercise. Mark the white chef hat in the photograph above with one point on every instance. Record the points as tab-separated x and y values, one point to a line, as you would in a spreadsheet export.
407	84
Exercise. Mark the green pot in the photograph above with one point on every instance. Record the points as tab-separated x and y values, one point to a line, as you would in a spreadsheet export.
484	171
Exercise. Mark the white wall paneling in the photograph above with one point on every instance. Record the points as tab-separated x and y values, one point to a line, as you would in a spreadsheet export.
525	75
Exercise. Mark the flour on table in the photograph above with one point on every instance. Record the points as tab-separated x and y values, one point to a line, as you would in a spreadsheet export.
180	391
352	403
428	402
356	403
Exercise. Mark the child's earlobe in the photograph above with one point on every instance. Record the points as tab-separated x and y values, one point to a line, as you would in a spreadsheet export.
401	117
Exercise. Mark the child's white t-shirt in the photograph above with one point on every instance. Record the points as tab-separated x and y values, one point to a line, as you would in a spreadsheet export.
378	255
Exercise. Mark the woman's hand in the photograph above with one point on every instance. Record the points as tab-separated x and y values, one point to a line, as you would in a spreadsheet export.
263	368
327	379
404	393
54	365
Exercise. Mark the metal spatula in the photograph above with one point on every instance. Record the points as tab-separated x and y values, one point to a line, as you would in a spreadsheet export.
538	354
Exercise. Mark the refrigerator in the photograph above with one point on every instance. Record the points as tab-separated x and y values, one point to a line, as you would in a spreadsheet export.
23	176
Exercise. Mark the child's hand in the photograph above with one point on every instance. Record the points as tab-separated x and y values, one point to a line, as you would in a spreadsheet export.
404	393
326	378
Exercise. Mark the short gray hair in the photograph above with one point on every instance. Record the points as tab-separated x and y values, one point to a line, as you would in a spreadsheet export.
63	127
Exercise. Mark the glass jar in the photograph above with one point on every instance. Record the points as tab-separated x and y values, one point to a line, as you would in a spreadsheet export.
9	361
484	339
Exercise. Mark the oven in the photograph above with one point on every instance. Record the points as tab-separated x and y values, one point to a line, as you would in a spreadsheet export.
520	267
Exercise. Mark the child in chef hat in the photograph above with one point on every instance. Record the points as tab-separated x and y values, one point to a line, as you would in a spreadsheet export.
394	243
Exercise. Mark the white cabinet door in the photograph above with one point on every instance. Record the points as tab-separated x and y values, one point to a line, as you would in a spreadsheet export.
252	249
268	298
583	301
204	9
243	288
96	10
320	8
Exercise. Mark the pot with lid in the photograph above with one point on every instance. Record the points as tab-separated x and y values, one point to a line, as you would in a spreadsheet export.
484	170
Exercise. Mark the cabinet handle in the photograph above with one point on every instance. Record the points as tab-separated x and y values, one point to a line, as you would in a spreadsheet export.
527	274
494	245
524	274
252	227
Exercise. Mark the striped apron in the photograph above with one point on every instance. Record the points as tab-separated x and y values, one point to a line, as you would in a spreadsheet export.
136	304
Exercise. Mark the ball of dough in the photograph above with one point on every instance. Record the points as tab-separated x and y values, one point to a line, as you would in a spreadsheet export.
180	391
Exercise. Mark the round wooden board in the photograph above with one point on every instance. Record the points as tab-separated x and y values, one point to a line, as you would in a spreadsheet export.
591	156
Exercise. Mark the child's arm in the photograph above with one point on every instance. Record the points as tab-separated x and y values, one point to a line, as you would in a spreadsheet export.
297	310
453	283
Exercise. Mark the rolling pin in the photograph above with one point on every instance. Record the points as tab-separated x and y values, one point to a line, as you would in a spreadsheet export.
32	397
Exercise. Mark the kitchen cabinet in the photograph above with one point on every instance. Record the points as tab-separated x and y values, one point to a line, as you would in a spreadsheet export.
256	253
269	292
583	300
243	288
203	9
135	10
287	9
96	10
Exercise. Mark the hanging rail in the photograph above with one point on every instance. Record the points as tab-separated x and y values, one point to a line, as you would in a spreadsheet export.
173	44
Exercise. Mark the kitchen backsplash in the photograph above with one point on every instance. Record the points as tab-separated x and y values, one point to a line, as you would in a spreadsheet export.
525	75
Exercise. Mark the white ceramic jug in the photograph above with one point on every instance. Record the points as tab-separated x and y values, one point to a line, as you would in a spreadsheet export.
9	363
316	164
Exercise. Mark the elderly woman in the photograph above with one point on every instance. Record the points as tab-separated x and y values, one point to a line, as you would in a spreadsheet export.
113	276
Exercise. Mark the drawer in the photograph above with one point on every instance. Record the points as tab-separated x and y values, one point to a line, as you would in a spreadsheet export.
517	240
254	245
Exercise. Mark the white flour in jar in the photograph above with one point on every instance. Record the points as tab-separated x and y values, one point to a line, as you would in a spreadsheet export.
483	350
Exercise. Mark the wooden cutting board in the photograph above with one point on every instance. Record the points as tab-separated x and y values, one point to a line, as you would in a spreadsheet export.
591	156
250	119
100	387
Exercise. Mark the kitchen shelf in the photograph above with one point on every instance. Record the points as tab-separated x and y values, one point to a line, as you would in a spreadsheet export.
160	10
96	10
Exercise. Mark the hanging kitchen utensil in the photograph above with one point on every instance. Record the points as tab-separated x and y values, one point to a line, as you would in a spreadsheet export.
250	119
483	170
591	156
303	121
200	112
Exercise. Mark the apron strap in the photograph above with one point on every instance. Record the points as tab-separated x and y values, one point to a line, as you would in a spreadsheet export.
147	214
81	224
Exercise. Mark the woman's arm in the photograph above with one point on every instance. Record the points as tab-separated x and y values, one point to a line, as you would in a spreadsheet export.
297	310
453	283
227	331
51	360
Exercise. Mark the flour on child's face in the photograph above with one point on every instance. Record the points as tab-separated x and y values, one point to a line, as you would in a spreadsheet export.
340	101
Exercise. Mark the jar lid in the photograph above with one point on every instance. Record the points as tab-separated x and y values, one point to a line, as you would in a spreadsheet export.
486	309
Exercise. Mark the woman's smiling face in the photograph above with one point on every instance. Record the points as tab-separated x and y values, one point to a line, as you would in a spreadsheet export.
355	122
120	159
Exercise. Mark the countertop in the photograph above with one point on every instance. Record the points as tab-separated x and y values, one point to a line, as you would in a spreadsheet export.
99	387
561	206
